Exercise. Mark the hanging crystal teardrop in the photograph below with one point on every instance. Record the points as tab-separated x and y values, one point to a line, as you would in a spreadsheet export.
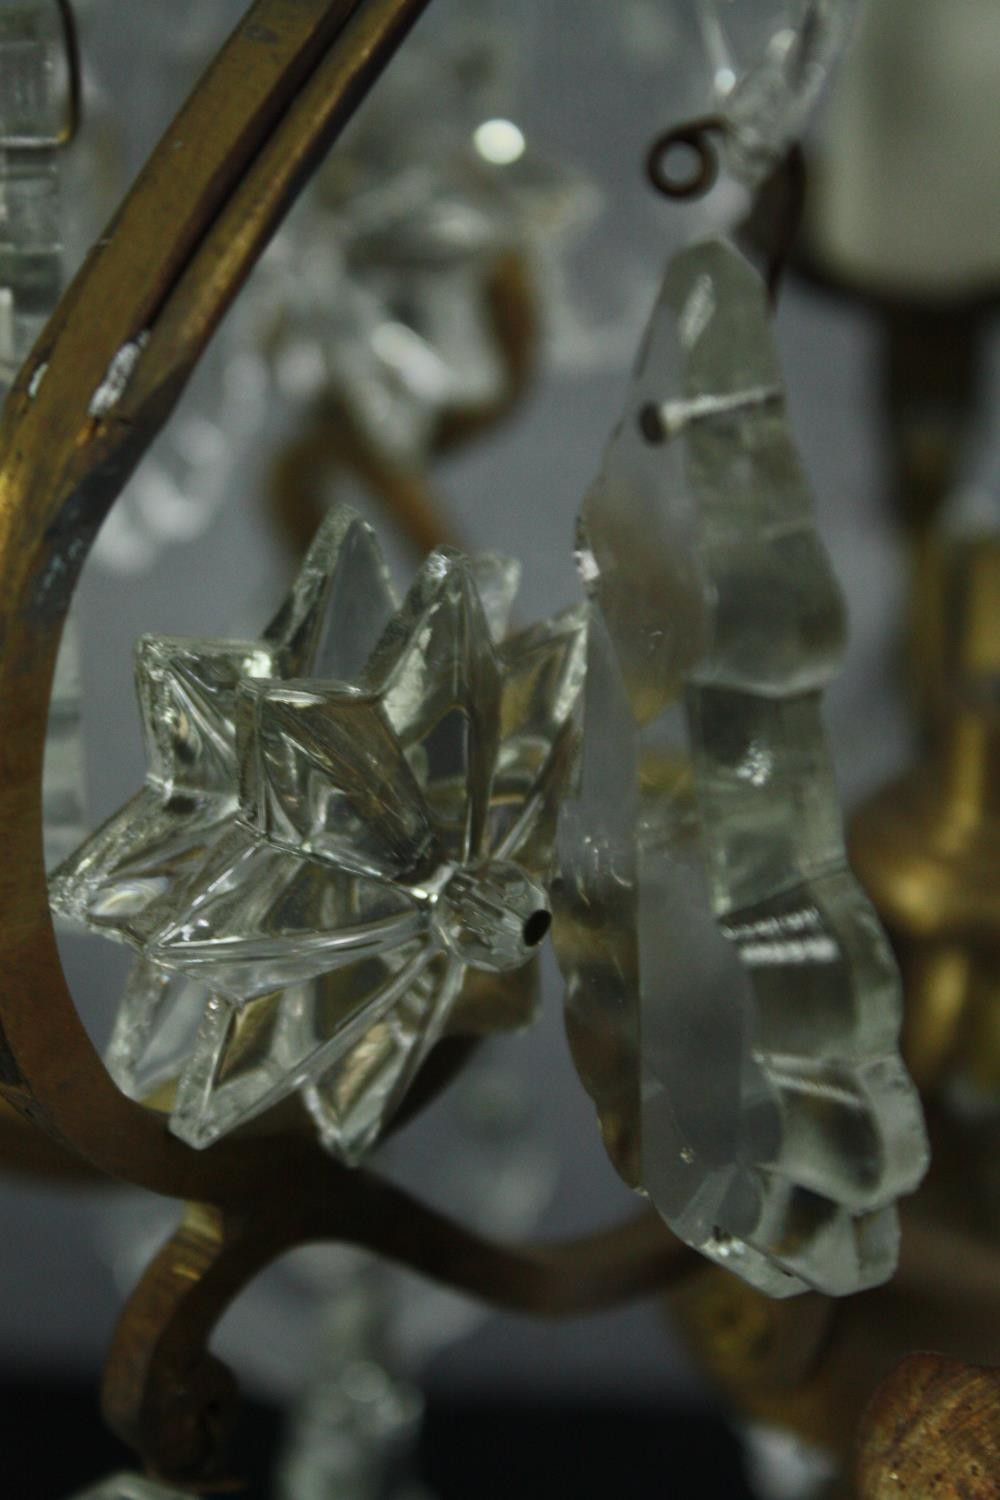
732	1001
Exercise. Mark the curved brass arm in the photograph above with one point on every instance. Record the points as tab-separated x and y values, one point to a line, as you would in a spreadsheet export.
99	385
168	1397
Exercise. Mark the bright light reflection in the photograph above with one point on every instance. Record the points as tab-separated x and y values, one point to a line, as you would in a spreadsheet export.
500	142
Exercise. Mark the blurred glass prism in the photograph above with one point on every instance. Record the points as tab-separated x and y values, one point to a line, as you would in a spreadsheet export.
406	288
769	62
131	1487
733	1005
345	837
425	234
34	120
783	1466
355	1429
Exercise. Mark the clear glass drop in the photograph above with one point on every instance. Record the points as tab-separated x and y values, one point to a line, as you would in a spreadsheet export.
733	1004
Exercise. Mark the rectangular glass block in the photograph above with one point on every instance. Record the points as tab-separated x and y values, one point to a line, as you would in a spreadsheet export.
33	86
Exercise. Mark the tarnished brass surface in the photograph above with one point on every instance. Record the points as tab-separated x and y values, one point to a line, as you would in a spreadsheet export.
932	1432
168	1397
928	848
811	1366
28	1152
101	382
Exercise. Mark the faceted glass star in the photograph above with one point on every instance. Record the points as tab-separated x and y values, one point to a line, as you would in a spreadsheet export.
733	1004
384	285
345	834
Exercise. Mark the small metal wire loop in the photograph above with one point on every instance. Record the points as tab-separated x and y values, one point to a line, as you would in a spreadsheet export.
778	206
693	136
70	128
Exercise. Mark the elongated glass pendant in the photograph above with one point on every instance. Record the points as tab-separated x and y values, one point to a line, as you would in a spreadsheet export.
733	1005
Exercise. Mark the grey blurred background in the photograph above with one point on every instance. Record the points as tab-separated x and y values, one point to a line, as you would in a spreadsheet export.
596	83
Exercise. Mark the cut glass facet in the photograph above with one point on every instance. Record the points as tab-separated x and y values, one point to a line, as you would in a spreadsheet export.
32	115
733	1006
343	824
354	1431
769	61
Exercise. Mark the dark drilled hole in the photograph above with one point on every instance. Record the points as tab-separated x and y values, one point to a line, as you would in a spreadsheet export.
536	927
651	424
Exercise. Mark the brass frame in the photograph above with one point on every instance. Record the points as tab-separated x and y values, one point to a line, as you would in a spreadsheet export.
132	327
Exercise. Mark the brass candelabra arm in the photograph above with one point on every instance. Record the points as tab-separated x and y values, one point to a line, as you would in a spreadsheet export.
810	1365
98	386
168	1397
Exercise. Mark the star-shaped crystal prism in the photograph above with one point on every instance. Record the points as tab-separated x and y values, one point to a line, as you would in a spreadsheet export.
387	290
344	837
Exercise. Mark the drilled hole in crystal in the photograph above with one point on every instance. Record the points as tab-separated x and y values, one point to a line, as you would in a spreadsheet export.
492	916
651	424
536	928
